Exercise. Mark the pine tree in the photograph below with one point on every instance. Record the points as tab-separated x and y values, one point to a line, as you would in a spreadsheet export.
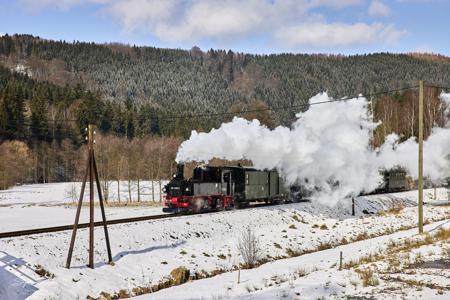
39	118
12	109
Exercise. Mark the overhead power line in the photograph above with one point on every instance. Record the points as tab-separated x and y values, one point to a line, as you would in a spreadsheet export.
438	87
303	105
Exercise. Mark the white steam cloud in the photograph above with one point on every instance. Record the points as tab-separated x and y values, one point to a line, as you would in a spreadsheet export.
329	145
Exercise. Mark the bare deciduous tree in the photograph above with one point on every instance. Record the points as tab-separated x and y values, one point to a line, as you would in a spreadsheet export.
249	247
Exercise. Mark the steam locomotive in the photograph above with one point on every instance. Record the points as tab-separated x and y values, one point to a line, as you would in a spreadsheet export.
222	188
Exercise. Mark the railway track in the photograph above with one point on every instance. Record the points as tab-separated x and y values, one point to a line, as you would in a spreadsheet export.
26	232
118	221
81	225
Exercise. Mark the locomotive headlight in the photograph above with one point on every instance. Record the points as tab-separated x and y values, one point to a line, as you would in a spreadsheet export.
164	189
187	189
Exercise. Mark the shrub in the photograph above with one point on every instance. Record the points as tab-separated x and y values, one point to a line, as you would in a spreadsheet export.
249	248
368	279
180	275
296	218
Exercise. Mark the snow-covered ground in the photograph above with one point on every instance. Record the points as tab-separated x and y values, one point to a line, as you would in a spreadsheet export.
146	252
54	204
68	192
317	275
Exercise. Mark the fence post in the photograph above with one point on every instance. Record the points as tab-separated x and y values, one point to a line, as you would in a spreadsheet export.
353	206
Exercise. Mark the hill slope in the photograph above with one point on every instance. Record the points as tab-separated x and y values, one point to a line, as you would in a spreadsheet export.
179	81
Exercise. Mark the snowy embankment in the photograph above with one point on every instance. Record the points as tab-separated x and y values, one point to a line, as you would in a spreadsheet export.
317	275
145	253
23	207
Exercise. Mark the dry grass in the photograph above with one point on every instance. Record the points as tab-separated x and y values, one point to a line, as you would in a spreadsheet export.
324	246
221	256
293	253
416	283
395	249
180	275
443	234
296	218
43	272
395	210
324	227
361	236
367	277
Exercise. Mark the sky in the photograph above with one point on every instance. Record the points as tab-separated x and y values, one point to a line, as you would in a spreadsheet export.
251	26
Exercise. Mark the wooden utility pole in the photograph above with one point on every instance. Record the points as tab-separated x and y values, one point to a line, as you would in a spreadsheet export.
420	187
91	197
91	171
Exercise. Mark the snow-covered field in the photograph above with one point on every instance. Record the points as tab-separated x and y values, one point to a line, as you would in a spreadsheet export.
53	204
68	192
145	253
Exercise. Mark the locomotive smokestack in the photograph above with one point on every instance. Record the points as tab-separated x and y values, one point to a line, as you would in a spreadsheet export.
180	171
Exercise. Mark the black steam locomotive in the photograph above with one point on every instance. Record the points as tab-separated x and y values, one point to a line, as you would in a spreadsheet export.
221	188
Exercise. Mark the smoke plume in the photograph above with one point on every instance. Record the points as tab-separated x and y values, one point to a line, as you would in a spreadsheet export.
327	149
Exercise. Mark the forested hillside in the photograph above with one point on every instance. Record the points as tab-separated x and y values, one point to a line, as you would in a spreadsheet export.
178	81
50	91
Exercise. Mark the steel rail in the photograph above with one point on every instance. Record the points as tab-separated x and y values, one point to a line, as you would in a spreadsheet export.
82	225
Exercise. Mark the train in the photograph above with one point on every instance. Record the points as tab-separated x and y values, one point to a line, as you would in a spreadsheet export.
227	187
394	180
222	188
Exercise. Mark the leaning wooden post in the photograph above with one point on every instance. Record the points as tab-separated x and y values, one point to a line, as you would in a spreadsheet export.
91	171
77	217
102	207
420	187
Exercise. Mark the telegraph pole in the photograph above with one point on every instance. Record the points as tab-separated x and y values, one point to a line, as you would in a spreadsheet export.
91	171
420	183
91	196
